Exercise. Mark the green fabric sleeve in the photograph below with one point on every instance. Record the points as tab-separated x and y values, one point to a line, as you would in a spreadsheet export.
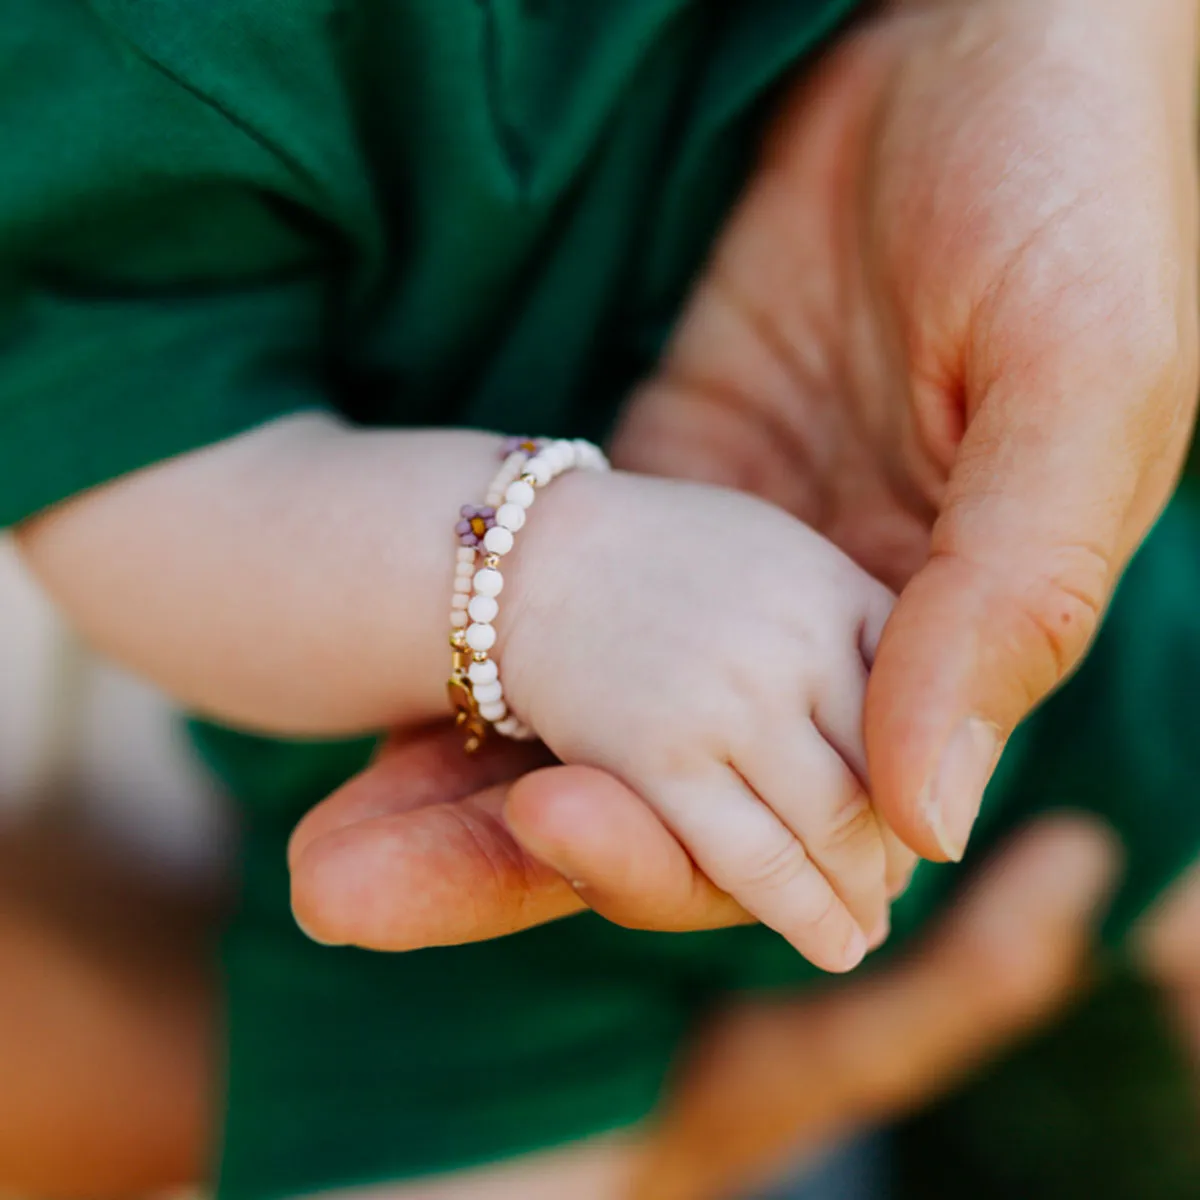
165	273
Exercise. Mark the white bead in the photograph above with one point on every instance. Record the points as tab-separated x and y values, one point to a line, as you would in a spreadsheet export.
462	586
590	457
510	517
459	620
496	711
497	540
460	603
509	726
466	555
466	568
539	467
489	582
523	734
483	609
483	672
481	637
569	455
487	693
493	498
520	494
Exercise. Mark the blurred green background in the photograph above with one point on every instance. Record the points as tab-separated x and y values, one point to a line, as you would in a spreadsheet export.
1100	1107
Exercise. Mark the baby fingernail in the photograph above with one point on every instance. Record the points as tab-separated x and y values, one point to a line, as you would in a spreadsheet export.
879	934
952	798
856	950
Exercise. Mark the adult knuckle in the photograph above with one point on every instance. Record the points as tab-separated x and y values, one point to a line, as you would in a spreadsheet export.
1159	353
501	871
1058	614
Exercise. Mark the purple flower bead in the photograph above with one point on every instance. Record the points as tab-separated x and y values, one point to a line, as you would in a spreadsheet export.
477	519
511	445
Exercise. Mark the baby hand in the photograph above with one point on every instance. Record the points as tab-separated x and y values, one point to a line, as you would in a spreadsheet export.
712	652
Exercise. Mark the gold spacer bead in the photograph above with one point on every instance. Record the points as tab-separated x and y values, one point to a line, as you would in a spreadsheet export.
480	656
529	479
458	639
492	561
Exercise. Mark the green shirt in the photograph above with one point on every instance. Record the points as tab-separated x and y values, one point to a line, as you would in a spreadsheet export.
420	211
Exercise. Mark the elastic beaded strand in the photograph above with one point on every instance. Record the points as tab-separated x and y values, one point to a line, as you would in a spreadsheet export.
490	529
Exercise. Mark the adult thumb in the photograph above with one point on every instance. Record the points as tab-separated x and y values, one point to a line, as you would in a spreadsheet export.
1046	503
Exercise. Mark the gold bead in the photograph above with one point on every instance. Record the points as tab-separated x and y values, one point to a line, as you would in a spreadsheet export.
480	656
492	561
529	479
458	639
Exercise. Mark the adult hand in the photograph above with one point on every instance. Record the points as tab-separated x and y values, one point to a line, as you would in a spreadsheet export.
769	1081
1167	946
954	327
418	851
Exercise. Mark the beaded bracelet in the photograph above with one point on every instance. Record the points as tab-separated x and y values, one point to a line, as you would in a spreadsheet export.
487	532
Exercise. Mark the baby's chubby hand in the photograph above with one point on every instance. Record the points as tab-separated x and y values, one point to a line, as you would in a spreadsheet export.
712	652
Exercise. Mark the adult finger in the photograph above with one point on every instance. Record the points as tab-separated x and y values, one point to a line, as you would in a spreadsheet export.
406	855
413	771
432	876
1167	939
769	1079
1062	470
616	852
1167	944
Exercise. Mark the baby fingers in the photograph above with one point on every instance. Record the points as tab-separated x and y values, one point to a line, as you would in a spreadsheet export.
740	843
816	795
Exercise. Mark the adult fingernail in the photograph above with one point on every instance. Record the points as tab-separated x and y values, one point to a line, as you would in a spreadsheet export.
951	799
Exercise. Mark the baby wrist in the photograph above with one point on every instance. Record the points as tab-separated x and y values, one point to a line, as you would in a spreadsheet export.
487	534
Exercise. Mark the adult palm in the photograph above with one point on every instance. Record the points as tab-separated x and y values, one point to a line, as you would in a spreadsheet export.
953	326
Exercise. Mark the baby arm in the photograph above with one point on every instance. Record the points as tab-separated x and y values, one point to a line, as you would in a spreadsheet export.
701	645
295	580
